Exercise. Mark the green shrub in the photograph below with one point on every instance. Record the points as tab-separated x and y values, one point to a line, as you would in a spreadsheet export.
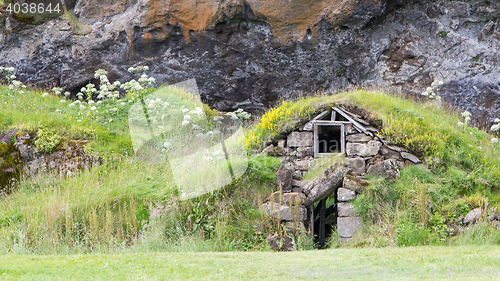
47	140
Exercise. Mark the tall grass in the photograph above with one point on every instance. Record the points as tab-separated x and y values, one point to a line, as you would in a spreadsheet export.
125	204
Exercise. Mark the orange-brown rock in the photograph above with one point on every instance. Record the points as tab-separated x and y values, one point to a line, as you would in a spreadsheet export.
289	20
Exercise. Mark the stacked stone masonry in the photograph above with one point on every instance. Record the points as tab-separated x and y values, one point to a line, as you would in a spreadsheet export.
366	153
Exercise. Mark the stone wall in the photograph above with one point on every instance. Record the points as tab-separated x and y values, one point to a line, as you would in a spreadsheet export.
366	153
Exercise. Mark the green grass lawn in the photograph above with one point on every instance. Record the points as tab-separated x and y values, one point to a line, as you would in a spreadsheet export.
446	263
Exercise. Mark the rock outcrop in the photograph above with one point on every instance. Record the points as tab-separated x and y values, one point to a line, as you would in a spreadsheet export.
249	53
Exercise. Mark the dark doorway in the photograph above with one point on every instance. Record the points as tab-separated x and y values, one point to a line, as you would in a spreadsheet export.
329	139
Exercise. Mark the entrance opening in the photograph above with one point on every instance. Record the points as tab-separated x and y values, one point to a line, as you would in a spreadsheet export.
329	139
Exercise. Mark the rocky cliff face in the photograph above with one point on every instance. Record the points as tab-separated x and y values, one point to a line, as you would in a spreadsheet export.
248	54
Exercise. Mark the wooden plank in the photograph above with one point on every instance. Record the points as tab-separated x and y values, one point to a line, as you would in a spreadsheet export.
342	138
322	219
311	220
309	125
354	122
315	141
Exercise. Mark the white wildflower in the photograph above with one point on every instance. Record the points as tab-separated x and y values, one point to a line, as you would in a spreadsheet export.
494	140
13	77
185	123
131	69
497	120
82	106
45	94
187	117
167	145
62	101
91	102
185	110
93	108
138	87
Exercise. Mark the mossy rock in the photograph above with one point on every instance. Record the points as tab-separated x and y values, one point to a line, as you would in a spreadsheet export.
10	162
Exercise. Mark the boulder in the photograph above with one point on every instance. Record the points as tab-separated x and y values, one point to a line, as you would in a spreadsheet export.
296	183
494	217
473	216
324	186
303	165
361	137
355	184
304	151
300	139
284	179
297	175
290	198
396	148
344	195
357	165
281	243
411	157
345	210
389	153
284	212
347	226
281	143
375	160
387	168
363	149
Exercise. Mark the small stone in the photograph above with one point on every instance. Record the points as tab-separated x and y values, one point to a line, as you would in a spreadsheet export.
300	139
387	168
290	198
355	184
344	195
297	175
395	147
375	160
347	226
349	129
361	137
357	165
268	149
296	183
281	143
303	165
284	212
389	153
345	210
281	243
494	217
304	152
293	198
473	216
284	179
410	157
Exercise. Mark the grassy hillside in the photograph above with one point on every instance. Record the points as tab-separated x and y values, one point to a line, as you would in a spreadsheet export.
127	204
